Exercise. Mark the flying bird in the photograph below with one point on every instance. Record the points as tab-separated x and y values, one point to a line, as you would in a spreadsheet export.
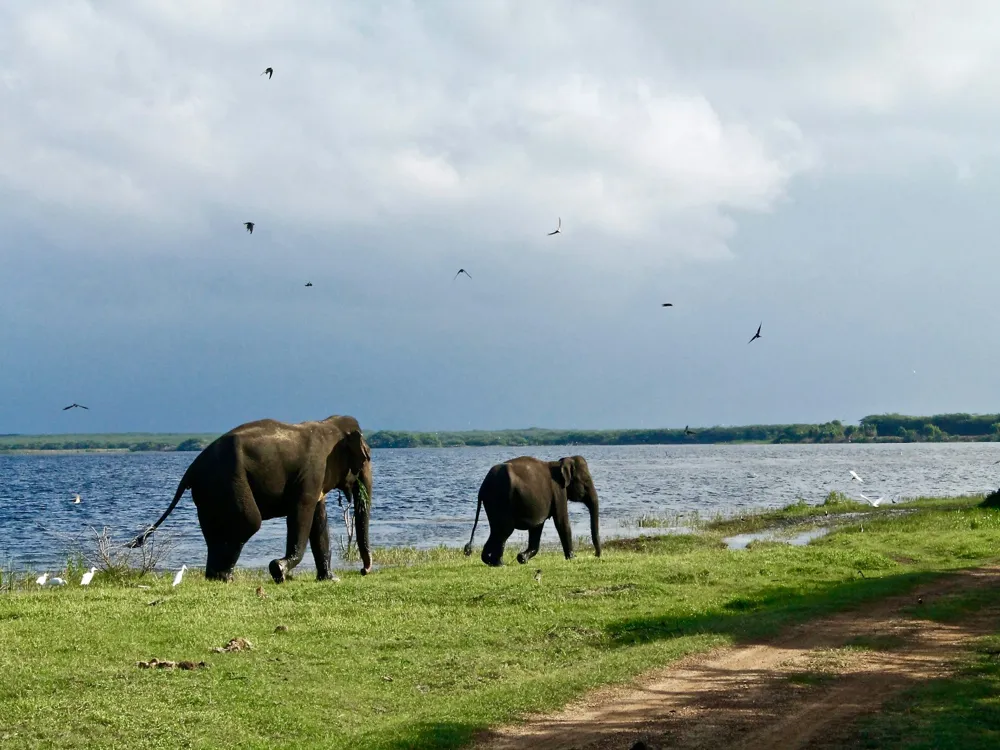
309	283
874	503
268	72
180	575
76	406
249	226
558	228
688	430
668	304
76	499
461	270
88	577
757	335
856	477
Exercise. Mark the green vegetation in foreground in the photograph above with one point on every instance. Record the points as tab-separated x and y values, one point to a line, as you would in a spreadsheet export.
878	428
425	655
961	712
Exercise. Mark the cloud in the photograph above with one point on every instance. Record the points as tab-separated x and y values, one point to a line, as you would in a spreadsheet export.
487	117
650	129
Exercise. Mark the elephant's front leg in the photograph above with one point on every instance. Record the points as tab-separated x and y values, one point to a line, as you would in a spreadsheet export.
319	541
534	542
300	521
565	531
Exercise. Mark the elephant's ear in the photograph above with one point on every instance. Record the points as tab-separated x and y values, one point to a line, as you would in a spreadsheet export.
357	442
562	473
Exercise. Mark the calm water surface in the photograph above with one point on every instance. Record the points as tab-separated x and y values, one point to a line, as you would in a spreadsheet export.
427	497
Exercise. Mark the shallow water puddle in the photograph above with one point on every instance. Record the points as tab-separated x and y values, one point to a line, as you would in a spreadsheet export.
741	541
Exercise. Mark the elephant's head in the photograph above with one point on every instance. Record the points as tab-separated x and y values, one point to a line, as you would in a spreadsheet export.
573	475
349	468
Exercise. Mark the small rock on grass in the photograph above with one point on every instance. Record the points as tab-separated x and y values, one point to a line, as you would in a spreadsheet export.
235	644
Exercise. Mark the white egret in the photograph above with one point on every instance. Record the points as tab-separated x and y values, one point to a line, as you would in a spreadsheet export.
88	577
55	581
180	574
42	579
76	499
874	503
855	476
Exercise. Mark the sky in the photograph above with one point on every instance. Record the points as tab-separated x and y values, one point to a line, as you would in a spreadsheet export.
827	170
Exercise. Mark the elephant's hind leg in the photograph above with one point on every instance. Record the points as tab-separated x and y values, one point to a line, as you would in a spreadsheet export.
226	523
493	549
534	542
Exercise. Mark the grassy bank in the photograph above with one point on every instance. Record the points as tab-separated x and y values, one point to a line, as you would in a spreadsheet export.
426	654
879	428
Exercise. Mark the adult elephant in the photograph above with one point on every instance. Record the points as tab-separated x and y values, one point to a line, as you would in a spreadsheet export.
523	493
269	469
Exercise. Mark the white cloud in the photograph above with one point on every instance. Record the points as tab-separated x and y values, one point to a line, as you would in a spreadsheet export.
469	115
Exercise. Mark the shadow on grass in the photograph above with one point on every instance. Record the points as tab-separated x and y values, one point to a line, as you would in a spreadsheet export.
749	618
430	735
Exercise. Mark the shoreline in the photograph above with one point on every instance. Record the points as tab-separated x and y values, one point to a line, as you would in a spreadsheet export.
784	525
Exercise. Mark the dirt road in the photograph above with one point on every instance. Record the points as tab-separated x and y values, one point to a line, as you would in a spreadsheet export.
801	690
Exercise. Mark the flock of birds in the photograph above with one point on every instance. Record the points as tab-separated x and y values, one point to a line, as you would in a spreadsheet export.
249	225
86	578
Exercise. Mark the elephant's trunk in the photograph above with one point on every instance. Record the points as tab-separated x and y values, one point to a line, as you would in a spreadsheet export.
595	532
362	514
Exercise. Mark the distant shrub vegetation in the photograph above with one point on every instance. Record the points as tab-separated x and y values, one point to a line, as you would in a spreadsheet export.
880	428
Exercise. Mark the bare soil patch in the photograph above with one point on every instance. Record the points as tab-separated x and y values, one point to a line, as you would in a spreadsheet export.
800	690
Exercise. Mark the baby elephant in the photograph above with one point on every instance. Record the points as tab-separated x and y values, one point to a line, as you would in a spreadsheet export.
523	492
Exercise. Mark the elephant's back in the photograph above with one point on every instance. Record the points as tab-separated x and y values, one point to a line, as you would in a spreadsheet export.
219	457
257	428
498	477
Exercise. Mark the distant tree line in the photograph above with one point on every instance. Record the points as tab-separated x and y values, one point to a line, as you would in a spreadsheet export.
124	442
878	428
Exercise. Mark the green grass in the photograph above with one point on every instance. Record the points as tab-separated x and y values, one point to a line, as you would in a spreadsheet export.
429	652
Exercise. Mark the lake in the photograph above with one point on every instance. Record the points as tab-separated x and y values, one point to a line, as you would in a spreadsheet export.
427	497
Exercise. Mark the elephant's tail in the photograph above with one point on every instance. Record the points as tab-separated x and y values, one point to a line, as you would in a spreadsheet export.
141	539
468	547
